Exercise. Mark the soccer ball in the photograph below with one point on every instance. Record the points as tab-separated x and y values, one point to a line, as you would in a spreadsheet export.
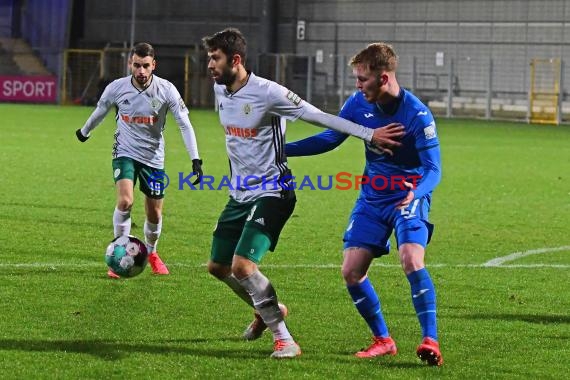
127	256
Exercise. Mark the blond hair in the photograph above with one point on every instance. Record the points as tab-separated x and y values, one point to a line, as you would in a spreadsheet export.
377	57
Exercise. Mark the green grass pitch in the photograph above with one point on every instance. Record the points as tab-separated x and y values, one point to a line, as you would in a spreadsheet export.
502	315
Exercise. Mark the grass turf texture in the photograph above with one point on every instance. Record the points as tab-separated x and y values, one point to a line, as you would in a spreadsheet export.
505	189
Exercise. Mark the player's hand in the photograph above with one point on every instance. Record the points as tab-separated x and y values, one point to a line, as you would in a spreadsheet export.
80	136
387	138
409	197
197	168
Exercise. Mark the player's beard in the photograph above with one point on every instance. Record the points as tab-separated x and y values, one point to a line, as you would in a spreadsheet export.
142	80
227	77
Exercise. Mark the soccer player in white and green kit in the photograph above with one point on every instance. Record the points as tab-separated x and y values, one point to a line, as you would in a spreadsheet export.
142	101
253	112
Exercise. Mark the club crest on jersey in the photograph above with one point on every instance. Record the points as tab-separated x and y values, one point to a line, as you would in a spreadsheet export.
294	98
155	103
247	109
429	131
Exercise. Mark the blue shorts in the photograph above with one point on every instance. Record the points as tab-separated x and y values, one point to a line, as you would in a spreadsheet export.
371	224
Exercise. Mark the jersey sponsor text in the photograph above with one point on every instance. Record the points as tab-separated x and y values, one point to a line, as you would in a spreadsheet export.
139	119
246	133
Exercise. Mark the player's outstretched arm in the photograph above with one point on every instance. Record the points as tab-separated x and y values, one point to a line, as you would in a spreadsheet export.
80	136
316	144
385	138
94	120
197	169
180	112
103	106
188	136
191	145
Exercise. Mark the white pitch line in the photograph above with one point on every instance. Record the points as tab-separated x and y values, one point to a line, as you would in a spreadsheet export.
517	255
494	263
56	266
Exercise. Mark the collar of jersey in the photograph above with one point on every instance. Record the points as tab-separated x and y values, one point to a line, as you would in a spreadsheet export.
230	94
144	89
391	107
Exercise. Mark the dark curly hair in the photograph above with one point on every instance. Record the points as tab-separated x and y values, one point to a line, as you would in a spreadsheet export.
230	41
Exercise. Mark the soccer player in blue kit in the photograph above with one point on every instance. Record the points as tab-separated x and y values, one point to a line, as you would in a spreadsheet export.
386	203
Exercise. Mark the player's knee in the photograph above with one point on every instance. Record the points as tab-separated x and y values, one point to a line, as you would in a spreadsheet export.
218	270
242	267
411	267
352	276
411	257
239	271
125	204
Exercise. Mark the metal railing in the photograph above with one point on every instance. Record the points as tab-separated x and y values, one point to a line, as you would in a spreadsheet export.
466	87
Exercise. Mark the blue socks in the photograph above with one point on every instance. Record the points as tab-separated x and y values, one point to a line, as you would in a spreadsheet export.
423	297
368	305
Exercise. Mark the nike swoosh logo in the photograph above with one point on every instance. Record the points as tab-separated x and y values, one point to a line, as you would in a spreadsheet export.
359	300
422	113
420	293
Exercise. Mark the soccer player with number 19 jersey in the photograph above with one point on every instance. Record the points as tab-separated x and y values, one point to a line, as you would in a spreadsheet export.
142	101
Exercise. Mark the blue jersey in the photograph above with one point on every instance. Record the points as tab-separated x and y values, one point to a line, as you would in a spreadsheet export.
417	160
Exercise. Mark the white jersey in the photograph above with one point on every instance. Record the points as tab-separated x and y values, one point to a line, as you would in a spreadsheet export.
141	118
253	119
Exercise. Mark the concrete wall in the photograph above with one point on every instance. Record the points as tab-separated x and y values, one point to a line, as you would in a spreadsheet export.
471	32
